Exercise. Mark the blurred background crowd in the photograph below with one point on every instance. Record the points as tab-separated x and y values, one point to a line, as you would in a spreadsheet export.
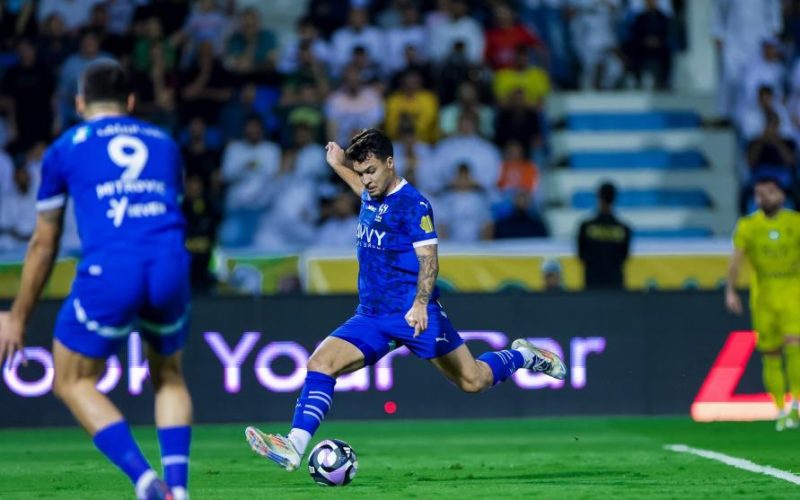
459	85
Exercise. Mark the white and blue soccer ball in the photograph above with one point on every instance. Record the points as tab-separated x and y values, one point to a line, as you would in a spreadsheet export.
332	463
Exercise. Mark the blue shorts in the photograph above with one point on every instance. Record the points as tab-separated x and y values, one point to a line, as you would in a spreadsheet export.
115	295
375	336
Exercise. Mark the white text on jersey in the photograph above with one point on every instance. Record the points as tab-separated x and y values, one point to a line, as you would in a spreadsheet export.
367	235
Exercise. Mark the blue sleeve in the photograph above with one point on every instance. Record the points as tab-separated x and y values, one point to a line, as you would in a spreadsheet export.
421	224
53	188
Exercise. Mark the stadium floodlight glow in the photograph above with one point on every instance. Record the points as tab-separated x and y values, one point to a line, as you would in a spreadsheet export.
716	401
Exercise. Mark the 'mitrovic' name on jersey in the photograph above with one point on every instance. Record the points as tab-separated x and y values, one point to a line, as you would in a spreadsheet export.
388	231
125	179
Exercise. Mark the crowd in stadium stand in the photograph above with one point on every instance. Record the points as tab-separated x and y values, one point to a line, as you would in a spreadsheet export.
759	90
458	85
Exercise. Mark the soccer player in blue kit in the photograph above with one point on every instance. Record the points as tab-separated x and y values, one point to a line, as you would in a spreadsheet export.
398	265
125	179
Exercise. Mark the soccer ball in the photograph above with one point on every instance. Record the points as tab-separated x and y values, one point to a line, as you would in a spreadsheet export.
332	463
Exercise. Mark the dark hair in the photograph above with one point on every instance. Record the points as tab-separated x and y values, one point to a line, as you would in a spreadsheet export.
770	177
607	193
765	89
105	80
254	117
369	142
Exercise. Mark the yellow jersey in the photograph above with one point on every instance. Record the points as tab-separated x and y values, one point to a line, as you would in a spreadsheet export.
772	247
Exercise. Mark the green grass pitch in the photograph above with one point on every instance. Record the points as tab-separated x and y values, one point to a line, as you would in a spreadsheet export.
533	458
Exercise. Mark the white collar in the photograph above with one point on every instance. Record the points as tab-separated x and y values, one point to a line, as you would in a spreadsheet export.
398	187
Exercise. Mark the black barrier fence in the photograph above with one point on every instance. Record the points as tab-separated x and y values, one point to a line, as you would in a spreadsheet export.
627	354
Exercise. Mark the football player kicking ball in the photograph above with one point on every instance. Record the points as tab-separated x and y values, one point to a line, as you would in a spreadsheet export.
125	179
398	265
770	241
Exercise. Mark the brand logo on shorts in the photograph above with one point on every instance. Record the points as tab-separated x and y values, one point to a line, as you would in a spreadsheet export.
443	338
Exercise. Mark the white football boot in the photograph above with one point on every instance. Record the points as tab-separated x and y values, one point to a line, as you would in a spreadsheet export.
274	447
540	360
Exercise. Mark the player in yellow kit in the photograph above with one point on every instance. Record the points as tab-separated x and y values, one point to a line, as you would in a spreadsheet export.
770	241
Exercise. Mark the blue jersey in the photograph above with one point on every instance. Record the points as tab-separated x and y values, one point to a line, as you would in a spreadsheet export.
125	179
388	231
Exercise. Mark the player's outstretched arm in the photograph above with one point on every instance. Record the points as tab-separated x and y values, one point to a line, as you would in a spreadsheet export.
42	252
336	159
417	316
732	300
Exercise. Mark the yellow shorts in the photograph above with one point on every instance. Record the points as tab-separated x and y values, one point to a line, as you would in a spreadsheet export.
772	324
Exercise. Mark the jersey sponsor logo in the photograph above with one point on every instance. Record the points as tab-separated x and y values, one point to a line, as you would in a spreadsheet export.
368	237
426	224
121	208
381	212
81	135
774	235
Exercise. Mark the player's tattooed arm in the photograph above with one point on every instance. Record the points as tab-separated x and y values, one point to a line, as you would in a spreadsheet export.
428	271
42	252
39	259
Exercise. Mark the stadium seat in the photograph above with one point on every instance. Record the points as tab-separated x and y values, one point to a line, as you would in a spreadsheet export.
650	120
676	233
649	158
647	198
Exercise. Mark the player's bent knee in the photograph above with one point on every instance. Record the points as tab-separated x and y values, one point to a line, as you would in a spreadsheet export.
472	385
61	389
322	364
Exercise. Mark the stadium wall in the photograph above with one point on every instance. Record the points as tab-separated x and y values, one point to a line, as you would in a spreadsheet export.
629	353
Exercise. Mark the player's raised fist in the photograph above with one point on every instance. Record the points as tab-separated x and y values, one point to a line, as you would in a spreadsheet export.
334	154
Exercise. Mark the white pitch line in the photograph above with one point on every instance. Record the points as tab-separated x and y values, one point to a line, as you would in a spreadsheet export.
739	463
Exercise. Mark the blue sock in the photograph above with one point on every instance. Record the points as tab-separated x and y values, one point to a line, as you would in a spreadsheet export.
116	442
312	406
502	363
175	443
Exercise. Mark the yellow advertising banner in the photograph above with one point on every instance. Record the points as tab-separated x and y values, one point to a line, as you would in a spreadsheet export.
464	273
491	273
58	286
